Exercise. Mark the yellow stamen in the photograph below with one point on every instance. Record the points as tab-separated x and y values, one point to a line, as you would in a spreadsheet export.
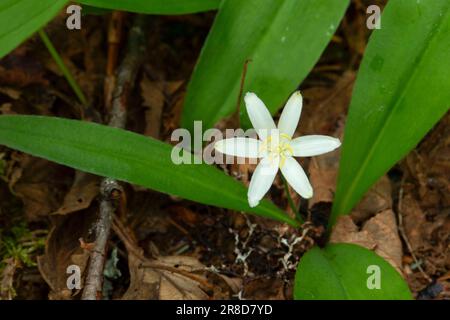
283	149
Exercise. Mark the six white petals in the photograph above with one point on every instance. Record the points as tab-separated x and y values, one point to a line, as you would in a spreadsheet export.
282	149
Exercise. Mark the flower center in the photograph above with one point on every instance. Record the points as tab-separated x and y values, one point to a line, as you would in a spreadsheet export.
278	146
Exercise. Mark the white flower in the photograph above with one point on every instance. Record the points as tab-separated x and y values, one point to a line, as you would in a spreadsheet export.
276	148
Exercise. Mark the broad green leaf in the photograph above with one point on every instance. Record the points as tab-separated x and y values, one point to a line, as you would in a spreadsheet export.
156	6
127	156
94	11
347	272
402	90
283	39
19	19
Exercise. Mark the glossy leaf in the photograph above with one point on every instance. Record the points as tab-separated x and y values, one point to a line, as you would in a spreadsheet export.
127	156
283	39
347	272
19	19
94	11
402	90
156	6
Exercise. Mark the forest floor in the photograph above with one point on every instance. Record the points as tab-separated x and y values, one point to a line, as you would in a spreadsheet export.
168	248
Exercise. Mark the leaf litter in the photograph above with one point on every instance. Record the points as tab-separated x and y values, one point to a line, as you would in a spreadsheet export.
169	248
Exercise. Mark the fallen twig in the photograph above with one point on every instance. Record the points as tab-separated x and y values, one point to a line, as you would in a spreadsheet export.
127	72
114	38
110	188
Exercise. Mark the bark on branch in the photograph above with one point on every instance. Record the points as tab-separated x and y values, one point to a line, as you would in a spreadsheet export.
111	192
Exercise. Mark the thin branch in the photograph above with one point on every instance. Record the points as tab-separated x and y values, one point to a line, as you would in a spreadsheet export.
93	284
127	72
114	39
110	189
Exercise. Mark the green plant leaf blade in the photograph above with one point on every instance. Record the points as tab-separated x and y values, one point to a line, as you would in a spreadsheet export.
130	157
401	91
343	272
95	11
19	19
156	6
283	40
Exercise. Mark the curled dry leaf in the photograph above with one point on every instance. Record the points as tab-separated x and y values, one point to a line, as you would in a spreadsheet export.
154	94
37	182
234	283
144	282
175	286
63	249
84	190
166	278
377	199
378	234
11	92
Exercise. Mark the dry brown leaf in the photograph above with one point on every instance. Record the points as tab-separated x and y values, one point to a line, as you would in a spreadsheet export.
172	118
153	94
325	107
383	229
86	44
347	231
235	284
84	190
378	234
63	249
265	288
38	183
323	175
429	165
11	92
175	286
413	222
428	238
144	282
184	214
166	278
326	117
21	71
377	199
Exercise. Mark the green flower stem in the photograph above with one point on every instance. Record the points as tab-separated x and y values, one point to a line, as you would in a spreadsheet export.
290	201
69	77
